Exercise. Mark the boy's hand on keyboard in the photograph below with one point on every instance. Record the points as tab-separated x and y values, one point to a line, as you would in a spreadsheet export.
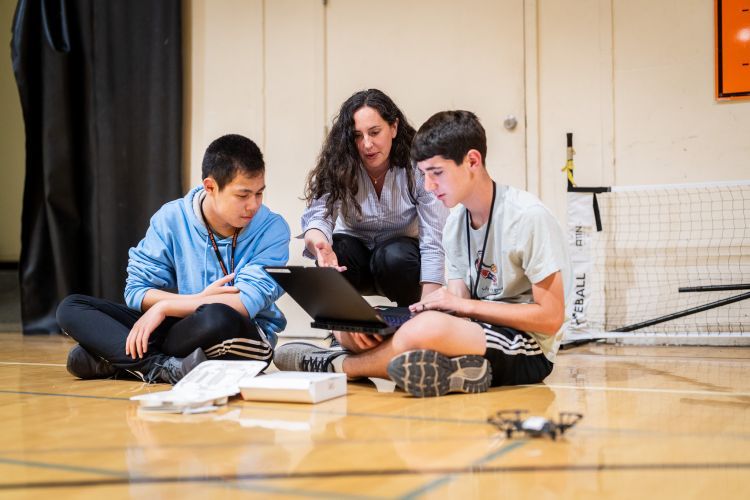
439	300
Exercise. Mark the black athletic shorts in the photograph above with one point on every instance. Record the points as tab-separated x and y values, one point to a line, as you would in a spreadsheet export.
515	356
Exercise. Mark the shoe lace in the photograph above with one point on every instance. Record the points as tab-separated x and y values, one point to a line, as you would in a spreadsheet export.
172	369
317	362
332	339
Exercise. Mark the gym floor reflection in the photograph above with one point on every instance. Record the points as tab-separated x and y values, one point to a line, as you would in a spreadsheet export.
656	420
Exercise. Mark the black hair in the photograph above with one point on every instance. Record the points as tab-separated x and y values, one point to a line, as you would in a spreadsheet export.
337	169
230	155
450	134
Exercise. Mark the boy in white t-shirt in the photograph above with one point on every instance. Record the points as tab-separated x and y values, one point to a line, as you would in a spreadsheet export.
508	279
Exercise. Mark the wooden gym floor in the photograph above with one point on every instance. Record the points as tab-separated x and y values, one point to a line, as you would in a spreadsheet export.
659	422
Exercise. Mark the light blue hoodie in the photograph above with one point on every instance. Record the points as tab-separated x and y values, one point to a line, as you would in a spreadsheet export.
176	254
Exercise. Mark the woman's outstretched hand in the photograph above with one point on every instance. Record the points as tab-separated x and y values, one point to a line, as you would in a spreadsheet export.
326	257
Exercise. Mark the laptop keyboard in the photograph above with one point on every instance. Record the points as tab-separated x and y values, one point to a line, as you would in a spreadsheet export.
395	316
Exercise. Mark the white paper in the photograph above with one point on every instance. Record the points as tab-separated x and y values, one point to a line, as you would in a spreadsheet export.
208	386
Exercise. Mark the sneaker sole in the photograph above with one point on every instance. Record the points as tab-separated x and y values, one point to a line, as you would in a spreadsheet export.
425	373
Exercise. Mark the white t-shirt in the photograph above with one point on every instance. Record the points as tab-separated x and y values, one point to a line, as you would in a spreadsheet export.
526	244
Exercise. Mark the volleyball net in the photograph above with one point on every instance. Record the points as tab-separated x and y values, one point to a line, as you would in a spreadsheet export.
661	260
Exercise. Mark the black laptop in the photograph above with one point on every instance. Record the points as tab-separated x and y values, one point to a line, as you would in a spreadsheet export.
334	304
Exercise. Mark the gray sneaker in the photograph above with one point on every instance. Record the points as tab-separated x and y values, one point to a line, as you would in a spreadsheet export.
425	373
304	357
83	364
172	370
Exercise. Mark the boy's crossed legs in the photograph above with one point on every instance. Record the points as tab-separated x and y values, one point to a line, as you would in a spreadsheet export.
430	355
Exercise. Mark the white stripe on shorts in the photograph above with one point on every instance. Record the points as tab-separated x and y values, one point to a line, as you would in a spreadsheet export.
519	344
243	347
239	347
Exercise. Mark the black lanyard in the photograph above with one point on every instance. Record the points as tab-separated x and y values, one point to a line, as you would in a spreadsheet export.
484	245
216	247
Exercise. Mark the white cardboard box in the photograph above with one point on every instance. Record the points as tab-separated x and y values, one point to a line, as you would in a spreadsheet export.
296	387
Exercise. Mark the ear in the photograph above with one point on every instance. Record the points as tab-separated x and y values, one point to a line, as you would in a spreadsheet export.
209	184
474	158
394	129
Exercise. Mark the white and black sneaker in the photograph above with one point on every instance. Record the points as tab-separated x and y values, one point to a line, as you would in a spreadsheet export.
304	357
425	373
171	370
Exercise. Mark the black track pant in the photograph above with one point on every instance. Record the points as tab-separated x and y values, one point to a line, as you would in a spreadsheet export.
391	269
102	326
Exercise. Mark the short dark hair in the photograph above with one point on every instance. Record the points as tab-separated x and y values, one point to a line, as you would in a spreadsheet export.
450	134
230	155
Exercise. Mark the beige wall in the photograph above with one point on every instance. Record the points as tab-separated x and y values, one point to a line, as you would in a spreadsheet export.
436	55
668	126
12	150
224	74
632	79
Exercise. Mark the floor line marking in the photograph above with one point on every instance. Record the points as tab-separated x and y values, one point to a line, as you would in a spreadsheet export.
433	485
267	443
237	485
240	405
25	363
655	357
55	394
472	469
638	389
64	467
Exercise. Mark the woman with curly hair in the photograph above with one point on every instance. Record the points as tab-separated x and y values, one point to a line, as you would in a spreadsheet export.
368	214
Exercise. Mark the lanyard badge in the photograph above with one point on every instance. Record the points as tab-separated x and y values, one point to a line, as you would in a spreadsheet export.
216	247
474	288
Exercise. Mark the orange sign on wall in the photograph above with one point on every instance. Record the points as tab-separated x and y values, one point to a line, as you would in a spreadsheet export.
732	49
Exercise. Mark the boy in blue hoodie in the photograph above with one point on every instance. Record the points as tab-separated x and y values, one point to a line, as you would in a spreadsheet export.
196	287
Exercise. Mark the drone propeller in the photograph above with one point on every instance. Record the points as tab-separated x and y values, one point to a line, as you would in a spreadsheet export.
508	421
567	420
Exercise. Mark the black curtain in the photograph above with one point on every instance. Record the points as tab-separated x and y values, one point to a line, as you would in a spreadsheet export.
101	90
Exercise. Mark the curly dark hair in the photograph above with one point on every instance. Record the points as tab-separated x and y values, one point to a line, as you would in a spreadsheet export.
337	168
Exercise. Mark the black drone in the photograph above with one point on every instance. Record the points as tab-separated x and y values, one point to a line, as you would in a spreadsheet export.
513	421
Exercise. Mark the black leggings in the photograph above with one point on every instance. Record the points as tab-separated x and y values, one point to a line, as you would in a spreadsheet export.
102	327
391	269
